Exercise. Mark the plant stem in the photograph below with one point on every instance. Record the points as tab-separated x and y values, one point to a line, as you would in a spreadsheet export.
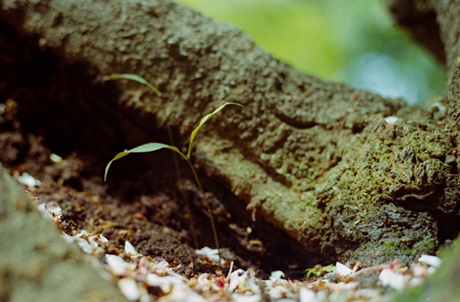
207	205
179	177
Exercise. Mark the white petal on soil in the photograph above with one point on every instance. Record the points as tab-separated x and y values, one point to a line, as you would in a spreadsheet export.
430	260
342	286
129	288
129	248
236	278
117	265
55	158
342	270
391	120
415	282
212	255
67	238
145	298
84	245
203	279
392	279
276	276
155	280
182	293
431	270
246	298
54	208
277	292
306	295
82	234
440	107
28	180
98	238
42	209
419	270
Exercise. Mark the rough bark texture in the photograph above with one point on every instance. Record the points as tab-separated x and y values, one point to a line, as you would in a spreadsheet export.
315	159
34	259
443	286
436	25
419	17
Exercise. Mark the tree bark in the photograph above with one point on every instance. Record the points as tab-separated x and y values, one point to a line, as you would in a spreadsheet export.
315	159
34	259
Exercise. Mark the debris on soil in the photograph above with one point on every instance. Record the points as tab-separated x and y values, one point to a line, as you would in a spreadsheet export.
141	278
144	246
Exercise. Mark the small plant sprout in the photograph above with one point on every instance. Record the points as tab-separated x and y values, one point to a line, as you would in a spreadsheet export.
133	77
139	79
150	147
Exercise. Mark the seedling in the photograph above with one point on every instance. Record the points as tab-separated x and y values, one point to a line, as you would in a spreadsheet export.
150	147
134	77
320	270
139	79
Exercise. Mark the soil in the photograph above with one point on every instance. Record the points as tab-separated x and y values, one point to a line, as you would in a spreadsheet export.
154	219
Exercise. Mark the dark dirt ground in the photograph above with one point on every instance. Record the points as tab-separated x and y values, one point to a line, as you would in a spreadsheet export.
156	223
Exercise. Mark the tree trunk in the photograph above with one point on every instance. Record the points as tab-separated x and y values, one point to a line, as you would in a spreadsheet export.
34	259
315	159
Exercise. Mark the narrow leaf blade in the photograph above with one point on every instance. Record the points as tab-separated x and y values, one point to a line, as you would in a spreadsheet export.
203	120
134	77
150	147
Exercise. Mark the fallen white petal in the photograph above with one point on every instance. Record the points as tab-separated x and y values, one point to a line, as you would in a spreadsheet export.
277	292
391	120
418	270
99	239
155	280
145	298
431	270
430	260
84	245
67	238
129	248
385	276
117	265
42	209
182	293
441	108
236	278
391	279
306	295
55	158
211	254
28	180
82	234
343	285
246	298
129	288
342	270
54	208
276	276
415	282
203	279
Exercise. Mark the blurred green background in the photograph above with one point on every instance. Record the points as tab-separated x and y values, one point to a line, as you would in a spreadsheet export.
349	41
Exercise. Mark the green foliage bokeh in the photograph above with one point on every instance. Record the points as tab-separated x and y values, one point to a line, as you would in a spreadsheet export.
328	38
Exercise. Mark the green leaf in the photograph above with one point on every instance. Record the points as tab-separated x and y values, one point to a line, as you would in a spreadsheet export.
329	268
203	120
150	147
312	271
134	77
